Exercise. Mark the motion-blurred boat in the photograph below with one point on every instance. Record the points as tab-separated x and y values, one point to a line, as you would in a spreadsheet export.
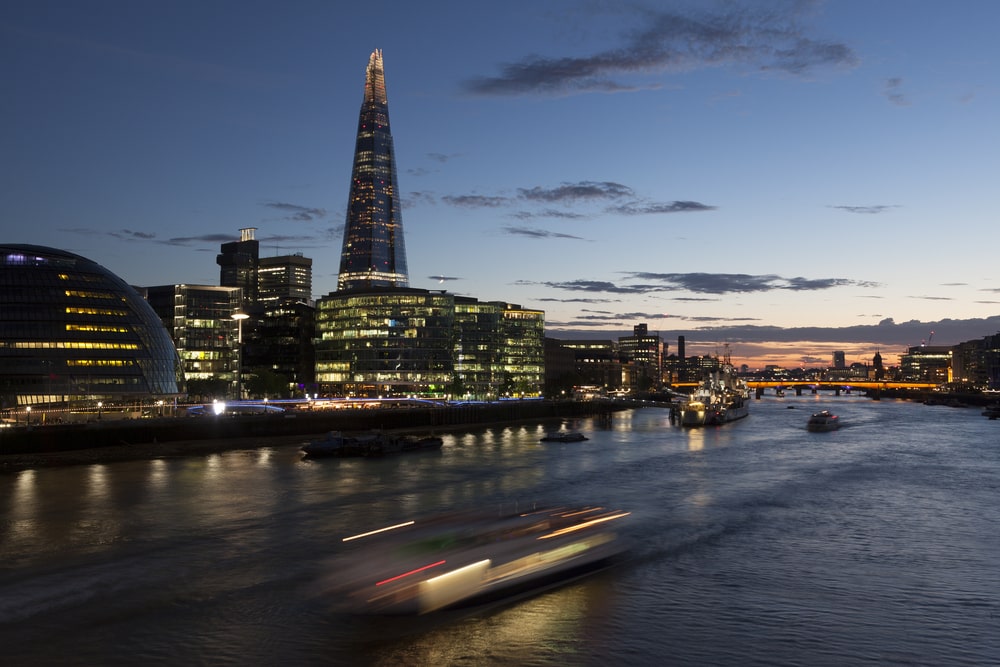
420	566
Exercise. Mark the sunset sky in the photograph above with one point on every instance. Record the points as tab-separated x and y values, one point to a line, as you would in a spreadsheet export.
785	178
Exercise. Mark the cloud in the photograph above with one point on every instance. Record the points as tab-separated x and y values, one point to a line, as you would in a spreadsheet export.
658	208
933	298
442	279
572	192
868	210
581	192
121	234
443	157
418	197
475	201
578	300
703	283
540	233
594	286
749	38
129	235
296	212
892	92
192	240
548	213
728	283
887	334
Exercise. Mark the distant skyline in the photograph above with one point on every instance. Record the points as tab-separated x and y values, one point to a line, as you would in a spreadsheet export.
787	178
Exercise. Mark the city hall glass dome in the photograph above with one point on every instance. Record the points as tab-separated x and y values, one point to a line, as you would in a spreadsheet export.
71	331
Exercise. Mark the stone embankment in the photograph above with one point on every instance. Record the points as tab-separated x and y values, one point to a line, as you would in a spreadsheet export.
96	442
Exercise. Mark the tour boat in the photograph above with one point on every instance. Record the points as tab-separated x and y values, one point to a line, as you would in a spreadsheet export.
420	566
823	421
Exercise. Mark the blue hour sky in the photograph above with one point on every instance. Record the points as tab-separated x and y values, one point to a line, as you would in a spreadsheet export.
785	178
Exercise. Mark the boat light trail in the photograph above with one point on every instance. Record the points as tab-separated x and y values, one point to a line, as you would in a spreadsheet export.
585	524
375	532
406	574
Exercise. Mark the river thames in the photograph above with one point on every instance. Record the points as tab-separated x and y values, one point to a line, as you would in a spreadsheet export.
753	543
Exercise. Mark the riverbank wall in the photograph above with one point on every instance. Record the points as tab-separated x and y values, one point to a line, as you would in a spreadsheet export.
69	437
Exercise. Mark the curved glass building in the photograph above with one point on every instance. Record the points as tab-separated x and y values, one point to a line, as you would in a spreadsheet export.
71	331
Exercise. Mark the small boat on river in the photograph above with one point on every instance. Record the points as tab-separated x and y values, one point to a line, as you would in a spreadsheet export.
374	445
564	436
823	421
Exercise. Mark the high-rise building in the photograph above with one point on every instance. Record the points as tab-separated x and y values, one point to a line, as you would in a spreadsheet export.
238	264
643	353
277	333
376	335
199	319
283	279
373	253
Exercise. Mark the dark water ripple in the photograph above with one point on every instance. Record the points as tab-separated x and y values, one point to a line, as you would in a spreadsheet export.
757	543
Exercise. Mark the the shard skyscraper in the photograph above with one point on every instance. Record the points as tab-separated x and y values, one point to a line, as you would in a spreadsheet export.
373	255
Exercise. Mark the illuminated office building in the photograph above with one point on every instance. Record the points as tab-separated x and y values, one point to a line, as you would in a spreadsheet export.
642	353
927	363
376	336
373	254
284	279
199	319
381	343
72	333
499	349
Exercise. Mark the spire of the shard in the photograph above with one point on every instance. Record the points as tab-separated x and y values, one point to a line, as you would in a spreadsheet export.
373	253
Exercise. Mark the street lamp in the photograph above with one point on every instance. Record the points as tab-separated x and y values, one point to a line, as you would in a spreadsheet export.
239	316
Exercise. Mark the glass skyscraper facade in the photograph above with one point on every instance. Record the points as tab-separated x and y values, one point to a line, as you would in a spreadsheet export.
373	254
376	336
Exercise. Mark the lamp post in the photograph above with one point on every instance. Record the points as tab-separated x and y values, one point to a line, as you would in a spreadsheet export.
239	316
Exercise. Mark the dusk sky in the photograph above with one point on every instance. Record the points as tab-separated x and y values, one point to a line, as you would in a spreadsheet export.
785	178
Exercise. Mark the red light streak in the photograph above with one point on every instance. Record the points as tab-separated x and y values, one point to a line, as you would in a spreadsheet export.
406	574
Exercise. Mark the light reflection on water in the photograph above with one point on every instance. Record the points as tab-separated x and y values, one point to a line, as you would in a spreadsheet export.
754	543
